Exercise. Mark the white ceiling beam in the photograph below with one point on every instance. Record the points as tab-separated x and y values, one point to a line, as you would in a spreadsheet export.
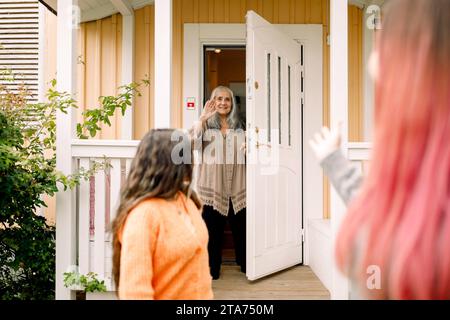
124	6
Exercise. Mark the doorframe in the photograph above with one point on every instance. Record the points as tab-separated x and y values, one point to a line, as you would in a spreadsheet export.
196	35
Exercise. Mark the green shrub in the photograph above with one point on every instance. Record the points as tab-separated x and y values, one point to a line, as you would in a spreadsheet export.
27	172
27	242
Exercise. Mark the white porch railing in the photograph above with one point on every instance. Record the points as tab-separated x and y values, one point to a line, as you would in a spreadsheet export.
97	201
360	152
98	198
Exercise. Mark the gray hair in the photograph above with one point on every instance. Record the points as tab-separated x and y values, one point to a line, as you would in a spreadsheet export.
234	122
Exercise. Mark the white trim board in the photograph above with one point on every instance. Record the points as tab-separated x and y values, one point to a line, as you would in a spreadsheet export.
198	35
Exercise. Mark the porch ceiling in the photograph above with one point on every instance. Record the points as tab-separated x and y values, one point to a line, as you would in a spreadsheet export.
97	9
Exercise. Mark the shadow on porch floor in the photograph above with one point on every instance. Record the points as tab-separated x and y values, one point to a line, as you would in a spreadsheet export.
296	283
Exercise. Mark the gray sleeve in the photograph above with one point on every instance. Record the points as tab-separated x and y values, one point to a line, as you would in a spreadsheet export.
344	176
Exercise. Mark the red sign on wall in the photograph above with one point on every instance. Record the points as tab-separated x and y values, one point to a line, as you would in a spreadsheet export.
190	103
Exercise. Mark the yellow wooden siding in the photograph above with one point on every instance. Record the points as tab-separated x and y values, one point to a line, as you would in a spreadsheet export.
49	69
355	101
144	67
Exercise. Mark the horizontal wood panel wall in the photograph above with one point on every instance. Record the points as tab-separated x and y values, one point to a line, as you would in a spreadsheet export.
98	35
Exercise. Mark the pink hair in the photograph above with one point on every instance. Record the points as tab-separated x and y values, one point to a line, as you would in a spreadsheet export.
400	222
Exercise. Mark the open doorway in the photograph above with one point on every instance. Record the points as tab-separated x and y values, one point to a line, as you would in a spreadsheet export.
198	37
224	65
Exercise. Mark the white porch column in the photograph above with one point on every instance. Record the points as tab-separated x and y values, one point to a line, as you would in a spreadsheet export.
338	112
163	62
68	18
127	12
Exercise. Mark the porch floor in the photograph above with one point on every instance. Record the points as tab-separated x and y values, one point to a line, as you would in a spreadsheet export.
295	283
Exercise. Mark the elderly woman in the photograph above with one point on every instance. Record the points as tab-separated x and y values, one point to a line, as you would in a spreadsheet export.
220	175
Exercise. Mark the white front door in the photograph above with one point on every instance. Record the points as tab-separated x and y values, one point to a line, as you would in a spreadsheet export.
274	159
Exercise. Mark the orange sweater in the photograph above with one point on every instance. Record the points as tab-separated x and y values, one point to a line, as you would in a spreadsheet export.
164	252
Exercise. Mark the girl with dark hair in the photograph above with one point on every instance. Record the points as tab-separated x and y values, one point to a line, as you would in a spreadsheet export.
159	237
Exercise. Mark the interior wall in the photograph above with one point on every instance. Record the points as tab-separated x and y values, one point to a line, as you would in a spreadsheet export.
212	80
219	70
235	59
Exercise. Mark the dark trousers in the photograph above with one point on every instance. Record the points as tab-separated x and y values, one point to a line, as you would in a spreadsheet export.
215	223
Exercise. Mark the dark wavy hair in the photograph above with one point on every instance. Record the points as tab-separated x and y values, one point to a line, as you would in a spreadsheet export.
153	174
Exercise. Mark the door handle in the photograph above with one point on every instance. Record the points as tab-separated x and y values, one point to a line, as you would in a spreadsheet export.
258	144
262	145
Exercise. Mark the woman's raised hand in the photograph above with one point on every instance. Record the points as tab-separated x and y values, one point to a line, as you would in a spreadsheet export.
209	110
326	142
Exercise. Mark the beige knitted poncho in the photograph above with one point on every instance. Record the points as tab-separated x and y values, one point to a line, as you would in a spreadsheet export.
219	168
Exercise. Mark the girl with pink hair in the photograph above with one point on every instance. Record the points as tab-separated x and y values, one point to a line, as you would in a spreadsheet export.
400	219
